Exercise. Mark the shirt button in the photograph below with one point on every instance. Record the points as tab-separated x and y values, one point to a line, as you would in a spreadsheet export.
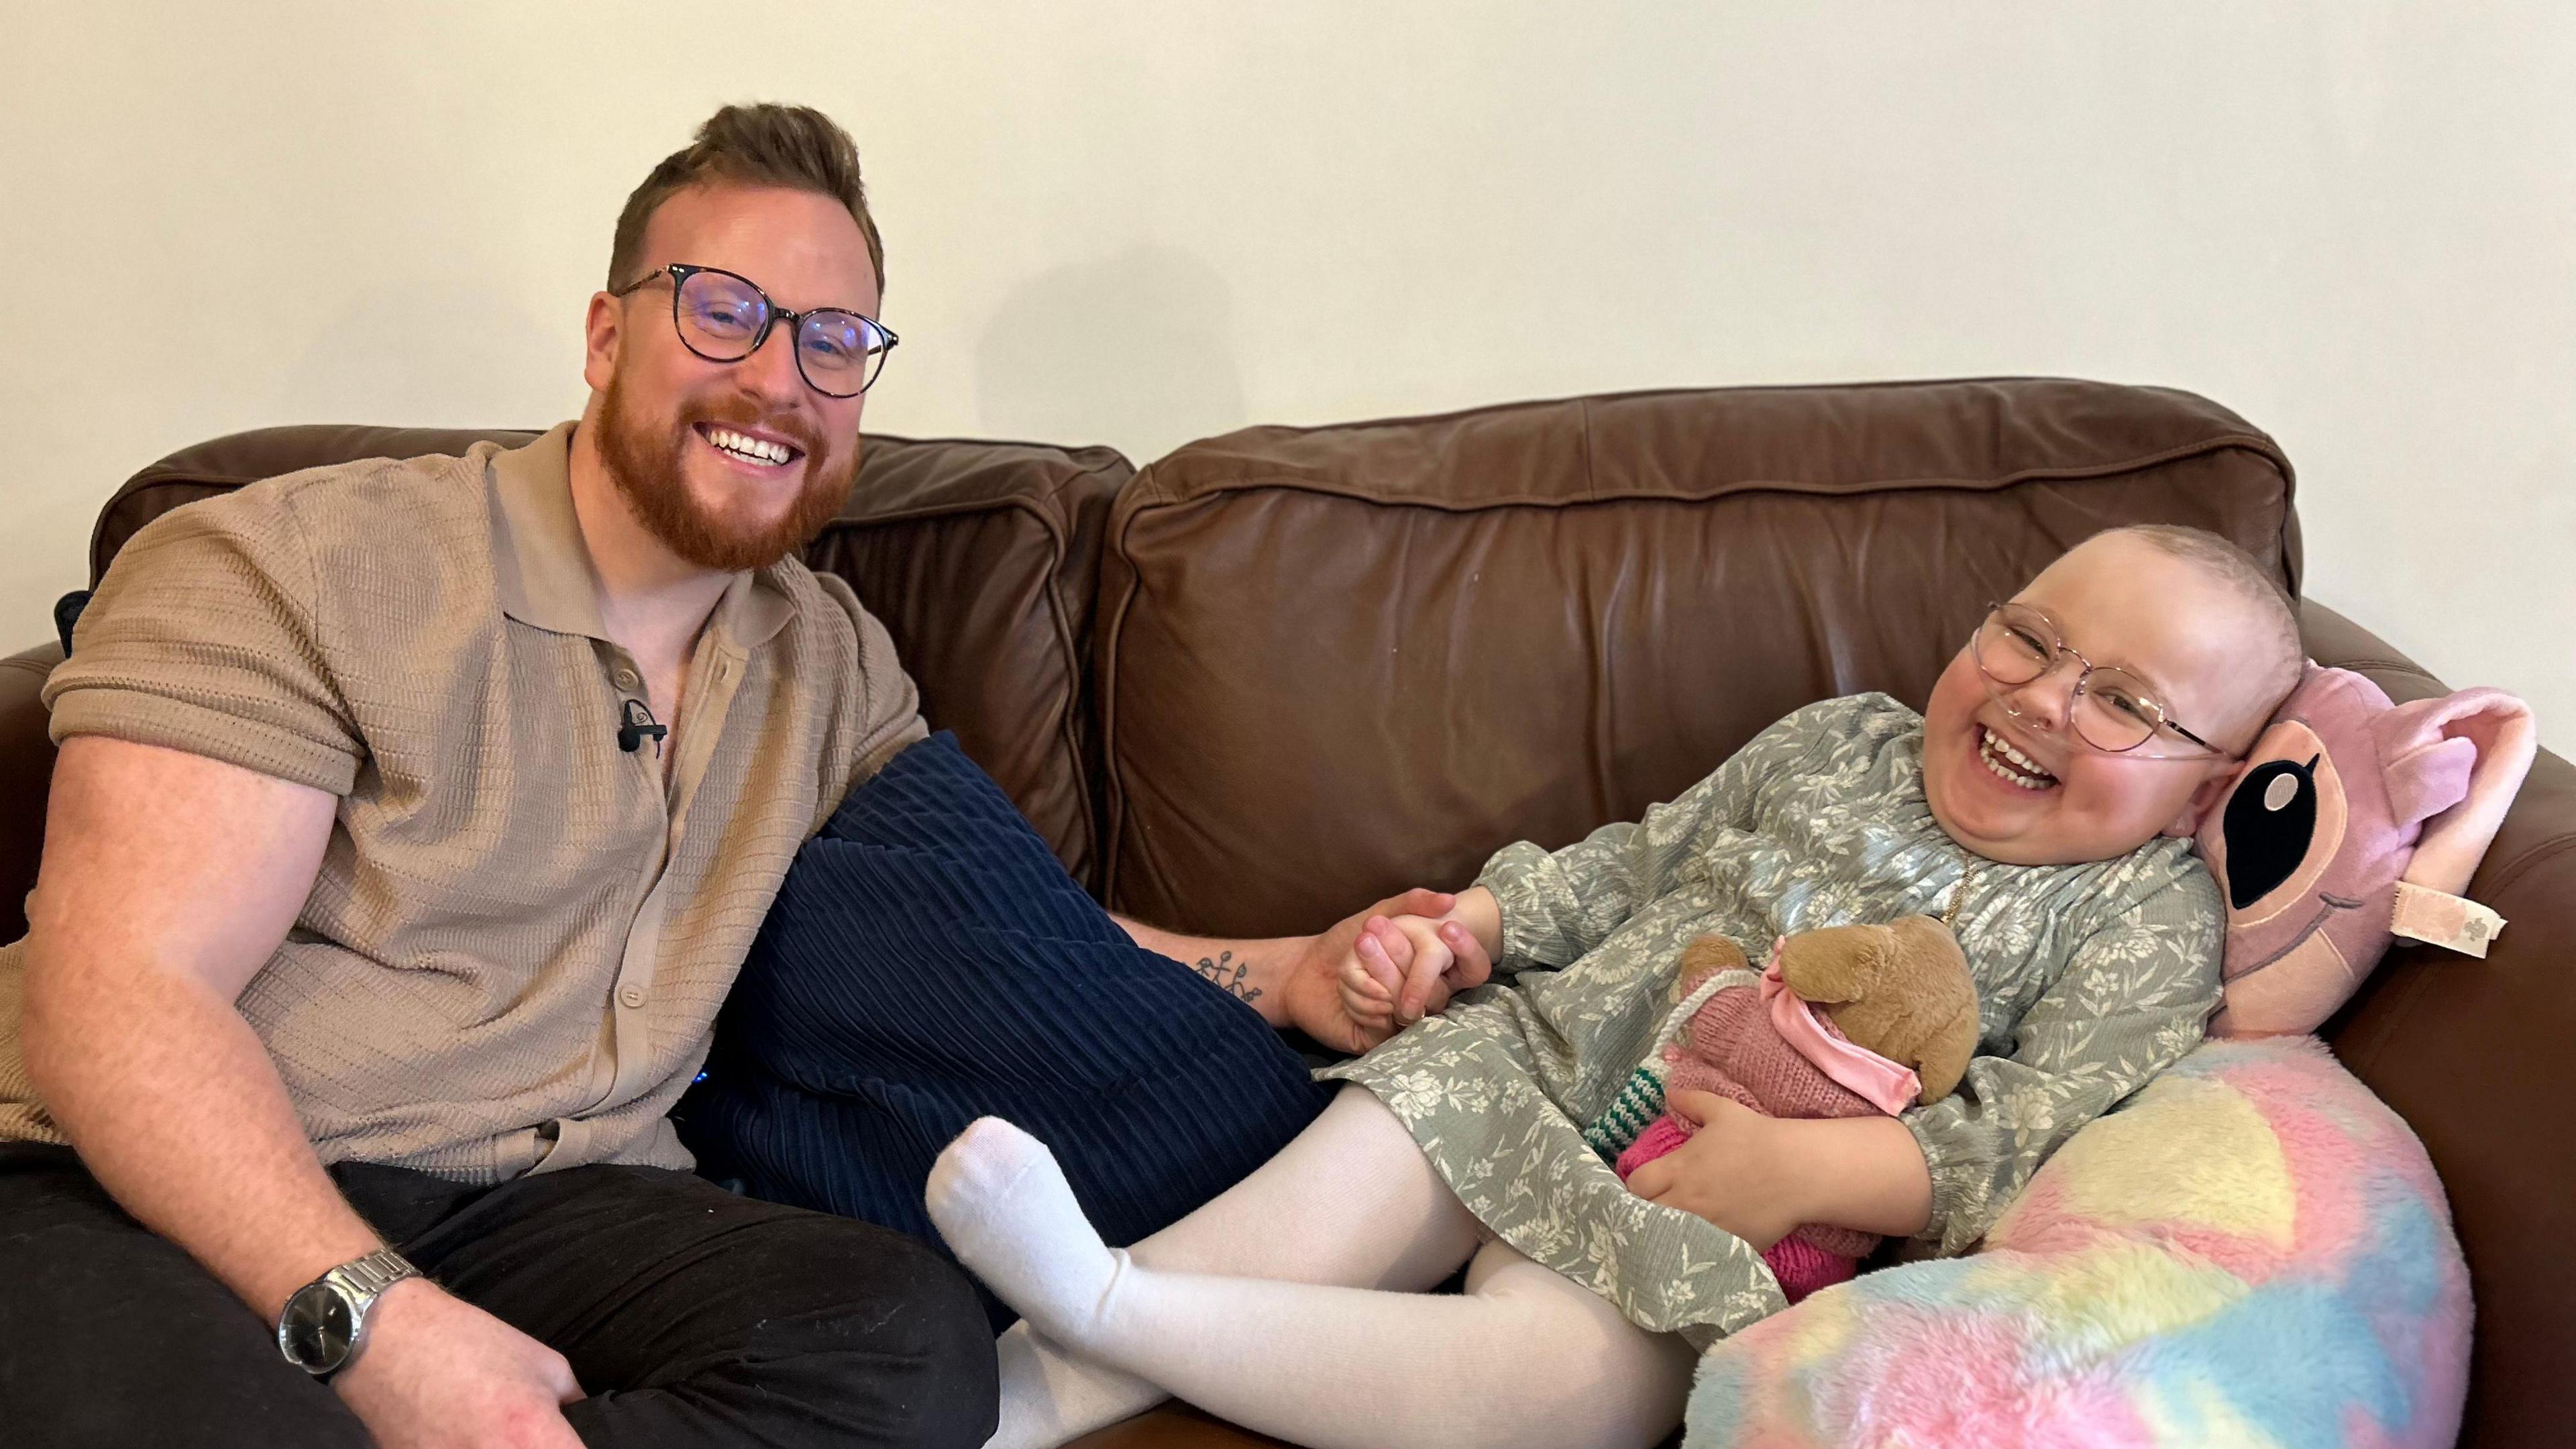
631	995
626	678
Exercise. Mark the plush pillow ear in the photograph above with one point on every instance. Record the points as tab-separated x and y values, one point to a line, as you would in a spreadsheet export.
2501	729
2428	771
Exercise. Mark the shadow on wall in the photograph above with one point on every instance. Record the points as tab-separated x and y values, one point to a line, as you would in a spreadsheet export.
1136	351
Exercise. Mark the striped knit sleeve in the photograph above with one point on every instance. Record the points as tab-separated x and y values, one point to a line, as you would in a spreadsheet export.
204	637
2135	996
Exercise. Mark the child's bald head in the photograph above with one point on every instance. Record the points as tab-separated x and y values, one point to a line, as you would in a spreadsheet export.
2273	654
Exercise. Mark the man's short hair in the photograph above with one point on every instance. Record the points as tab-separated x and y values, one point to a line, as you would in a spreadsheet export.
796	147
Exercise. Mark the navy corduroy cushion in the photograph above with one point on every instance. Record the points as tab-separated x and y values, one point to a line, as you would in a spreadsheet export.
928	962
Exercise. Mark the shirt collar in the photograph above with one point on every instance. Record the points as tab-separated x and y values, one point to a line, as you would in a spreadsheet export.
541	564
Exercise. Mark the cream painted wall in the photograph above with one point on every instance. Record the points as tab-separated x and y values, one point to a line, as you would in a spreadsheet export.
1136	223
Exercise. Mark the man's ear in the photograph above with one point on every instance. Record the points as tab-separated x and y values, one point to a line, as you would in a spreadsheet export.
601	330
2205	796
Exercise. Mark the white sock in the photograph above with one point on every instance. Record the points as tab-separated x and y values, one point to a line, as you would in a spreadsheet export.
1351	1201
1006	1211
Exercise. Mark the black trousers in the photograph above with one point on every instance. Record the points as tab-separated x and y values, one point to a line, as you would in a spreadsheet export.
690	1315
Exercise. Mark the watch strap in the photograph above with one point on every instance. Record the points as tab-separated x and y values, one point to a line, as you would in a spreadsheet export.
366	1278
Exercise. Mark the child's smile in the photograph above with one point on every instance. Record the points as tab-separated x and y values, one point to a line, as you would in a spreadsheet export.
2010	765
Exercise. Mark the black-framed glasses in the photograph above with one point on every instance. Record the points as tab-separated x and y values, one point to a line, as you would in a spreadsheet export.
724	318
2111	709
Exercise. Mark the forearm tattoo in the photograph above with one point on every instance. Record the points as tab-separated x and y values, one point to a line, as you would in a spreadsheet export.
1228	974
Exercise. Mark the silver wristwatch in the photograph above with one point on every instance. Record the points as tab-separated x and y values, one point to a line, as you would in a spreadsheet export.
324	1326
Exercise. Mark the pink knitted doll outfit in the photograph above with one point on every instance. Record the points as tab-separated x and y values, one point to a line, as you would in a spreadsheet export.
1763	1047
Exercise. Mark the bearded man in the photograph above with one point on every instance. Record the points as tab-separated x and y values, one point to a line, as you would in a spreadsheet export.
410	822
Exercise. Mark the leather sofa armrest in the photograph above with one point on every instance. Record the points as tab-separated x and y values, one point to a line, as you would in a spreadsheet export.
26	774
2470	1052
2339	643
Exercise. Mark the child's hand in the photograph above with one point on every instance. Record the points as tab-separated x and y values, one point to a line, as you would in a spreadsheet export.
1404	968
1310	972
1374	975
1740	1170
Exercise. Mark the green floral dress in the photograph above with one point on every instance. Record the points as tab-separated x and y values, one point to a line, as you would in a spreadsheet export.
2093	979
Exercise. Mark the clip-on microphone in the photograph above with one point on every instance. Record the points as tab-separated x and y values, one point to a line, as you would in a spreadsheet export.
639	723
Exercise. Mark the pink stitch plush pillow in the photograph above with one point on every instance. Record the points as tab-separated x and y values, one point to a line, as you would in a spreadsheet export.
2329	814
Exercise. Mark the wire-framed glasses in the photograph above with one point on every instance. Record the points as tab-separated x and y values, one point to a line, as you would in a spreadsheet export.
724	318
2112	710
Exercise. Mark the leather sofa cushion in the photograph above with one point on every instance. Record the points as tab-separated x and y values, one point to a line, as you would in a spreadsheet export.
978	557
1521	622
982	561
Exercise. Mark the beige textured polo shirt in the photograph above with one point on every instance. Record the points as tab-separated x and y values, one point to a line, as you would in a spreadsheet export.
512	957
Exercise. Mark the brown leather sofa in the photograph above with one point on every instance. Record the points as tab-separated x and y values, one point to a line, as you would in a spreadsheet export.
1282	672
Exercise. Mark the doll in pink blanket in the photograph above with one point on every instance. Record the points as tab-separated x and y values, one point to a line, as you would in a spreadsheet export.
1843	1022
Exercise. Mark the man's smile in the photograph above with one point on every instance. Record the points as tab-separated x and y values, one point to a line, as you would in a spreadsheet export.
751	448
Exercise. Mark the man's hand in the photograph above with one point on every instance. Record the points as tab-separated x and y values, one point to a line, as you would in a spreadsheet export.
440	1373
1314	990
1740	1170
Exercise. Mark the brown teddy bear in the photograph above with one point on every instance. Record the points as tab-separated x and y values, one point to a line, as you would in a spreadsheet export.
1843	1022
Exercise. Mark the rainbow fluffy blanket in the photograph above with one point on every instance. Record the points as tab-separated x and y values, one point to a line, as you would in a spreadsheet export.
2253	1251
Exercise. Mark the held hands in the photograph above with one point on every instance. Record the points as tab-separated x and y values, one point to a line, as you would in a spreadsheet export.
1325	1002
1741	1170
1403	968
440	1373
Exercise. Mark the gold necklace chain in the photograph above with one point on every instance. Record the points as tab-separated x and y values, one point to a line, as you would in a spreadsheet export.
1959	896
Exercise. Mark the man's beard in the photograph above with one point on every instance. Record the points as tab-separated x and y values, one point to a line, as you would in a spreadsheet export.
645	459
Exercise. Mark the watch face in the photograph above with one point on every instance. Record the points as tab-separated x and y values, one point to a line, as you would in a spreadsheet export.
317	1328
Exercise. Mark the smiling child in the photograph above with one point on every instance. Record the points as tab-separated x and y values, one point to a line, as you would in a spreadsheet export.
2043	802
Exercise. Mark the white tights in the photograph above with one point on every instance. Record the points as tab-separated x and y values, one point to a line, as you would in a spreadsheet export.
1295	1304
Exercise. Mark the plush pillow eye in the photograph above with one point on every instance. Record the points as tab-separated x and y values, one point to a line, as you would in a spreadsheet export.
2270	823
